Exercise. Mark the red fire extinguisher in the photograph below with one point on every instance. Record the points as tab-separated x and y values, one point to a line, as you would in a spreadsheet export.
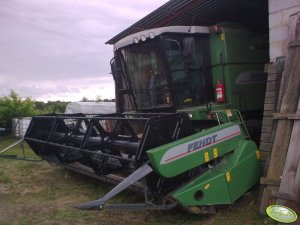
220	92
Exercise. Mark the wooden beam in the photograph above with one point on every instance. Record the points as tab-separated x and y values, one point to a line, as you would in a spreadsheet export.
294	44
288	116
270	182
291	172
265	146
287	103
285	196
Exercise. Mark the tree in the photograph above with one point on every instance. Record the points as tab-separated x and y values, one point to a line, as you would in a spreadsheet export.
98	98
56	106
50	107
12	106
85	99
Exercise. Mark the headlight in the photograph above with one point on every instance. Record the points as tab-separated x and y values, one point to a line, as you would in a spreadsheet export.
151	35
143	37
136	40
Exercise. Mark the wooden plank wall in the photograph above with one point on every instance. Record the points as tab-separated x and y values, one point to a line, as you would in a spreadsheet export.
282	181
267	134
289	189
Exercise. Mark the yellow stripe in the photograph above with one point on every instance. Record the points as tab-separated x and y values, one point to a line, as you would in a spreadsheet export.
206	156
228	178
215	152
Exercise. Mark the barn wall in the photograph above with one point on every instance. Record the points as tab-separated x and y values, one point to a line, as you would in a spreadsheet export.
279	12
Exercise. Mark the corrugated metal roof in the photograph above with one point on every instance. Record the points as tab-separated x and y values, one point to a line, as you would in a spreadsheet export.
252	13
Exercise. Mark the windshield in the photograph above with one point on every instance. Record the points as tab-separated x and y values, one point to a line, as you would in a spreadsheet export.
172	70
148	76
189	64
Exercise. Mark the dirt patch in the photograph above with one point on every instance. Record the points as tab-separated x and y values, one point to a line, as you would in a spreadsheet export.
4	189
6	213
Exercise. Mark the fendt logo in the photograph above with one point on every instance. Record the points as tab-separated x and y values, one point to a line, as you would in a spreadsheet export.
201	143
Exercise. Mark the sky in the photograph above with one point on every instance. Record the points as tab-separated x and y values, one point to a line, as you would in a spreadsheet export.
55	49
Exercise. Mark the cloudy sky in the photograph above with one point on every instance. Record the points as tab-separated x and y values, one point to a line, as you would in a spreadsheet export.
54	49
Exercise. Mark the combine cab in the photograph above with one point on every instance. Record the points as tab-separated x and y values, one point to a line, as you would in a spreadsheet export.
178	134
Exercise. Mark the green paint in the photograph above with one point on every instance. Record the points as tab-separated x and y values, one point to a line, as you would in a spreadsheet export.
238	59
237	171
244	171
190	160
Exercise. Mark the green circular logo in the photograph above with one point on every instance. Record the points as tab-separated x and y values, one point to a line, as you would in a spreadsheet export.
281	213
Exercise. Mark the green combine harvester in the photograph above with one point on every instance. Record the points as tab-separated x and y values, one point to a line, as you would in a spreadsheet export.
185	96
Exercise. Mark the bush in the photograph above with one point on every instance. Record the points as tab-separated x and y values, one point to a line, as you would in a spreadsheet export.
12	106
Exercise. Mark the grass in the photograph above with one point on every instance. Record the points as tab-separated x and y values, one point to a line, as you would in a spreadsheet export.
4	178
38	193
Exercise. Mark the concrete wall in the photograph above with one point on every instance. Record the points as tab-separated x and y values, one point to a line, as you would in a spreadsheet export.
279	12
